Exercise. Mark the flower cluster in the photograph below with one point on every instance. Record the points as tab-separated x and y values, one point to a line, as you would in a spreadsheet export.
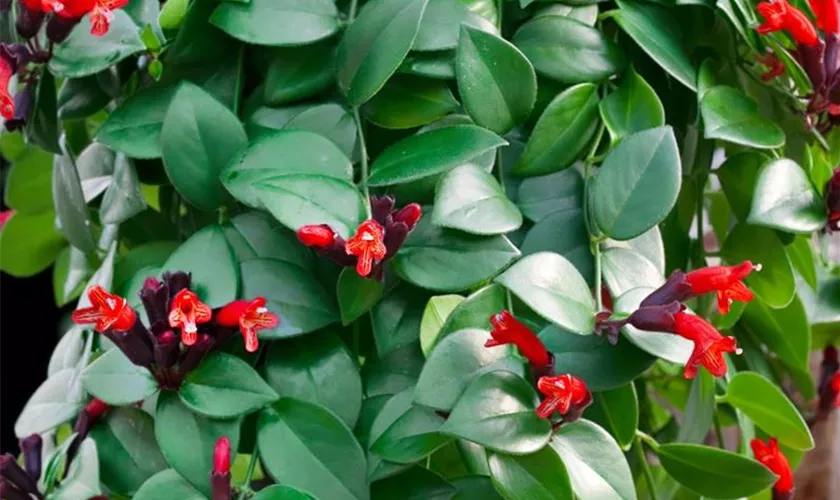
818	55
832	202
175	313
771	456
663	311
376	240
18	483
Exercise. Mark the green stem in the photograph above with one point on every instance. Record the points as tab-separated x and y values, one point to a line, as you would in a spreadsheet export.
500	7
640	454
647	439
590	157
252	464
240	76
719	433
354	5
499	169
363	153
596	253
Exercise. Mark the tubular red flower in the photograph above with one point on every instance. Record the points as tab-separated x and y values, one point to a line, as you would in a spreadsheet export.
7	103
563	394
367	245
107	311
318	236
101	11
186	313
508	330
409	215
835	385
780	15
709	344
221	456
828	15
96	408
725	281
251	317
770	455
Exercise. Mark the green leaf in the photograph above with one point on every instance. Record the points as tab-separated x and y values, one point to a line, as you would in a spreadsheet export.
208	257
123	199
70	204
665	345
199	138
375	44
713	472
277	22
297	73
563	232
731	116
300	178
82	480
785	199
29	244
440	25
637	185
225	386
774	283
356	294
658	33
562	132
456	361
134	128
617	411
587	14
42	122
318	369
801	255
83	54
117	381
446	260
408	102
538	476
436	65
554	289
785	331
81	97
590	357
404	432
541	196
767	406
172	13
496	82
431	153
393	372
55	401
329	120
128	453
319	454
280	492
167	484
699	410
396	319
435	315
152	254
476	310
497	411
29	183
68	352
556	45
595	463
632	107
738	176
417	483
626	269
187	439
470	199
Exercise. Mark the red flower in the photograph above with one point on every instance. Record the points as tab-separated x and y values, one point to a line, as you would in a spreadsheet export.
221	456
107	311
34	5
101	11
770	455
5	215
709	344
726	281
318	236
187	312
251	317
780	15
508	330
367	245
835	386
7	103
564	393
409	215
828	15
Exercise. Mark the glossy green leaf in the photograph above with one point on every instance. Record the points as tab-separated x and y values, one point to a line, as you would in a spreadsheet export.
317	368
699	409
405	432
632	107
562	132
774	283
435	315
299	72
446	260
617	411
496	82
319	453
553	288
356	294
199	138
587	14
29	244
637	185
167	484
538	476
470	199
801	255
83	53
625	269
785	331
563	232
375	44
41	126
435	65
28	188
280	492
393	372
225	386
768	407
430	153
456	361
134	128
209	258
57	400
440	25
329	120
408	102
82	480
731	116
415	484
187	440
555	46
395	320
117	381
785	199
661	344
81	97
70	204
659	35
738	176
123	199
277	22
497	411
714	472
544	195
476	310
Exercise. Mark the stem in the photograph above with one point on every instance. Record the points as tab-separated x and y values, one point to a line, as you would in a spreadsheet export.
363	152
719	433
500	7
640	454
499	169
354	5
237	88
590	157
252	464
596	253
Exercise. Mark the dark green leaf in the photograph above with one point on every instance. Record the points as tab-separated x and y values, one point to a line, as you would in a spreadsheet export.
731	116
208	256
801	255
587	14
474	487
57	400
774	283
785	199
329	120
738	176
617	411
470	199
393	372
408	102
29	244
29	183
632	107
280	492
563	232
81	97
42	122
538	476
117	381
415	484
134	128
784	331
277	22
70	204
541	196
167	484
396	319
123	198
356	294
435	315
699	410
436	65
299	72
224	386
476	310
83	54
404	432
441	22
497	411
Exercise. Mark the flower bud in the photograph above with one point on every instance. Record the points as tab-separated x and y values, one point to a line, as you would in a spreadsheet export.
316	236
31	448
10	470
409	214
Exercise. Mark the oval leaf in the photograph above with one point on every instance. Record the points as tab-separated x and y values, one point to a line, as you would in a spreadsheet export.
774	283
785	199
470	199
404	432
632	107
56	401
208	257
731	116
538	476
617	411
277	22
117	381
167	484
406	102
83	53
439	27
